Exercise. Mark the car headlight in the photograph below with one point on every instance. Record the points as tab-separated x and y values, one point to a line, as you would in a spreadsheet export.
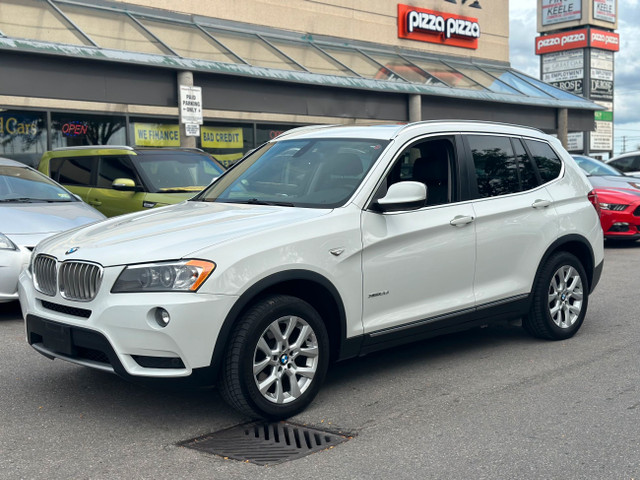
180	276
6	244
618	207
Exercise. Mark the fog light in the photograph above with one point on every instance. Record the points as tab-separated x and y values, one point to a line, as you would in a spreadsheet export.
619	227
162	317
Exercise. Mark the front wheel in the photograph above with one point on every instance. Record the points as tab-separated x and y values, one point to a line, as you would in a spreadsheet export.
560	298
276	360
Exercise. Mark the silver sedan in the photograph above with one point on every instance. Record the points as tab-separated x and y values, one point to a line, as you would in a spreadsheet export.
32	207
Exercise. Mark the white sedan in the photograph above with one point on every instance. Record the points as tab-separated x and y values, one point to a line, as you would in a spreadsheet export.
32	207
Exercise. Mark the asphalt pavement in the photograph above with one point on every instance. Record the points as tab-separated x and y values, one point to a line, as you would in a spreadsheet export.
490	403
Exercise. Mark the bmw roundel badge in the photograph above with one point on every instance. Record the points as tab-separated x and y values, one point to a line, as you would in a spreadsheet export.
71	250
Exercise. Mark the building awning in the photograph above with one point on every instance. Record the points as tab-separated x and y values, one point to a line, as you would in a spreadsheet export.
153	37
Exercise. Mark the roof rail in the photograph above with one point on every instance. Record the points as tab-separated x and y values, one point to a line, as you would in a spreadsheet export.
307	128
457	120
93	147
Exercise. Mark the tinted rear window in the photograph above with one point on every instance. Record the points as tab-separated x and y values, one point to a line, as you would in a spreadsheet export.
548	163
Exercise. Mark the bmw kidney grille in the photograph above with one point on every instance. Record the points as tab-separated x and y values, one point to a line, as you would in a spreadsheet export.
75	280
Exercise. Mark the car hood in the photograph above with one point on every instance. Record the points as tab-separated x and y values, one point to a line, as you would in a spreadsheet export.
172	232
28	223
615	181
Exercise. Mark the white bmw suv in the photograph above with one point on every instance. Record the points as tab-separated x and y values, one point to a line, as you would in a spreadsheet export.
324	244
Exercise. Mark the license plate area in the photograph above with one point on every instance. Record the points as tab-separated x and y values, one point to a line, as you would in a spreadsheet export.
57	338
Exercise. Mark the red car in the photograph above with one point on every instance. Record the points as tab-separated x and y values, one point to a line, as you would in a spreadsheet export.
618	196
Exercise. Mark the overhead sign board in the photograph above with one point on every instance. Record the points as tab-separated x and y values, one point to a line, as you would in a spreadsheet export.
604	40
580	38
572	86
604	10
559	61
190	104
560	11
437	27
558	42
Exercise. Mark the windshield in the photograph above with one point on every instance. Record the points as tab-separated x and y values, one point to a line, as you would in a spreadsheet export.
177	171
23	184
594	167
314	173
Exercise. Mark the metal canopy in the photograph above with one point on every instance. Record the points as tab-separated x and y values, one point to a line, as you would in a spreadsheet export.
164	39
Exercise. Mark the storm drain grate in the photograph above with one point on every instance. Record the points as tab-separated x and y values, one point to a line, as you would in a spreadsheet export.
265	443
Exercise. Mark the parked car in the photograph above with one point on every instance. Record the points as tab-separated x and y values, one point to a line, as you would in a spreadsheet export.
326	243
118	180
628	163
618	197
32	207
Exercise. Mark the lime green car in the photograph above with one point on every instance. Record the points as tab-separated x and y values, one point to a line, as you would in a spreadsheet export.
117	180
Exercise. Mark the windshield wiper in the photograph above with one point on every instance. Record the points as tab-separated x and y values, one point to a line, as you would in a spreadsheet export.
180	189
30	200
255	201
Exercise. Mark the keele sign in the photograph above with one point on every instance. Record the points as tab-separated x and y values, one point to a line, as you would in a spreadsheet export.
437	27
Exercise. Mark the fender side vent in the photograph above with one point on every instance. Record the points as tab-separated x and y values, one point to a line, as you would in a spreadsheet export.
265	443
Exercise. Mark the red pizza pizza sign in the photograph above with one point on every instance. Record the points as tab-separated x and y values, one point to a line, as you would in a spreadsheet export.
437	27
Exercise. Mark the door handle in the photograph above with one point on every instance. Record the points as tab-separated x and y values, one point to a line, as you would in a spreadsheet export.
539	203
95	203
461	220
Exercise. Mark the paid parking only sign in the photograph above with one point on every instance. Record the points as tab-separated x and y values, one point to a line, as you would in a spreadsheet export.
190	104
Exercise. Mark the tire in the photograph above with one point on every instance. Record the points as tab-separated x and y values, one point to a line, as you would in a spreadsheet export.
284	382
560	298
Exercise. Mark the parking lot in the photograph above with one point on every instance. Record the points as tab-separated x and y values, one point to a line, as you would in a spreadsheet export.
488	403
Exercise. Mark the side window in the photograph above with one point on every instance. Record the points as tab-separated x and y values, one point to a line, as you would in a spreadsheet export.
548	163
72	170
112	167
623	164
636	163
528	177
429	162
495	164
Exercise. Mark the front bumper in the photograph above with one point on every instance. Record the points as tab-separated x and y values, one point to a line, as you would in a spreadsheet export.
118	332
624	225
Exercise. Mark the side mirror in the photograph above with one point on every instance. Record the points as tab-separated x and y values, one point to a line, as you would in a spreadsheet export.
124	185
404	196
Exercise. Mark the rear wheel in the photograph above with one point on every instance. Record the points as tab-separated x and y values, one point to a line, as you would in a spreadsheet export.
560	299
277	358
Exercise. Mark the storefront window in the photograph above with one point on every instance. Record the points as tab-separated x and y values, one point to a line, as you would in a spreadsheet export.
23	136
151	134
264	133
227	143
69	130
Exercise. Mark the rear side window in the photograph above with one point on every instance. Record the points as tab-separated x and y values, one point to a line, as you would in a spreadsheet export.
627	164
548	163
495	164
72	170
112	167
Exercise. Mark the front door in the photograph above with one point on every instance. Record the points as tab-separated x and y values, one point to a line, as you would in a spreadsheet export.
419	265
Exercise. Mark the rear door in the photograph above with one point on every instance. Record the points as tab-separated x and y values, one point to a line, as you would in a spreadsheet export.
74	173
515	217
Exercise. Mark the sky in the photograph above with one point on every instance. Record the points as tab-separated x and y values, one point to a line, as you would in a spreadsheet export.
626	109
